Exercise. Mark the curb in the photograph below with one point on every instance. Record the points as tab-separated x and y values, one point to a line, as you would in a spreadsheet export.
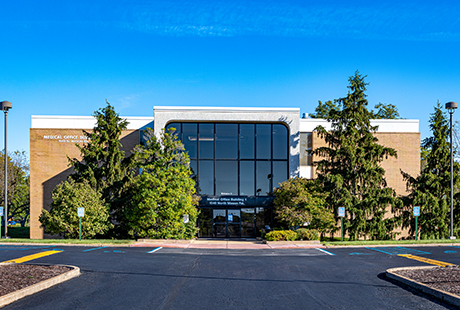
439	294
37	287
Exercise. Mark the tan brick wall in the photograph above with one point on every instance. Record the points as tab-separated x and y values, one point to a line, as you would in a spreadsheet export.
49	149
407	146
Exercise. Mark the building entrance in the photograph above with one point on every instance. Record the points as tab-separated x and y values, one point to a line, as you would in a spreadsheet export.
233	222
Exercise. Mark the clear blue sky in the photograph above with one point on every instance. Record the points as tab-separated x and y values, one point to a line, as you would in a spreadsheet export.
67	57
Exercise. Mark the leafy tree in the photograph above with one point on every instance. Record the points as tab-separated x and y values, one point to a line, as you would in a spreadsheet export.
350	169
431	189
385	111
326	109
162	194
63	219
299	201
18	185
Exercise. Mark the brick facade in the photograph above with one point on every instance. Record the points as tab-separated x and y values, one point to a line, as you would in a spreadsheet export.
49	149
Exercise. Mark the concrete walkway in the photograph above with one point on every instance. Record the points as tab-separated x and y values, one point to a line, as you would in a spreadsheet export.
227	244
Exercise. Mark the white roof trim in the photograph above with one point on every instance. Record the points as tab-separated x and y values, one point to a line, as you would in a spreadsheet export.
84	122
385	125
224	109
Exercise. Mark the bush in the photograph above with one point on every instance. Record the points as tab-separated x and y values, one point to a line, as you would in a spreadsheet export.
63	219
307	234
281	235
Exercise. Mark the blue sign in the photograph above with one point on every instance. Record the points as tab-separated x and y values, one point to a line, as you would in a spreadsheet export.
230	217
341	211
1	211
416	211
81	212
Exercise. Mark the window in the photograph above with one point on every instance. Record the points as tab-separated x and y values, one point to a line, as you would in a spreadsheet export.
236	159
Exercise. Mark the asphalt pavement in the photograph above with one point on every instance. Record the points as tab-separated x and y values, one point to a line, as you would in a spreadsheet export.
227	278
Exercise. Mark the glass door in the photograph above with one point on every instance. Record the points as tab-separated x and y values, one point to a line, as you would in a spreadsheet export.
248	223
219	223
234	223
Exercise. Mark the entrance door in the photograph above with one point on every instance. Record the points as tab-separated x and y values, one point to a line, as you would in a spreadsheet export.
226	223
248	225
219	223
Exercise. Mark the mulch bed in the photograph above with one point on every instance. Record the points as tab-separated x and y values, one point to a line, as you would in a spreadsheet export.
442	278
15	277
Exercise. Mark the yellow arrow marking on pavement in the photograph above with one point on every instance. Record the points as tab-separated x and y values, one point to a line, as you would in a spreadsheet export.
427	260
31	257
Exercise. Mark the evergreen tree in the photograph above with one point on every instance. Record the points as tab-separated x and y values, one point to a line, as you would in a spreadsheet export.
105	166
385	111
431	189
325	110
350	167
103	162
163	193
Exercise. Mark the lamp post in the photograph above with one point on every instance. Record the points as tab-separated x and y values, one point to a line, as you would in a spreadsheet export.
451	106
6	105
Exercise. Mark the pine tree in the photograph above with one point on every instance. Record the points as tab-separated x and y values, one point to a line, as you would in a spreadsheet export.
350	167
103	162
325	110
431	190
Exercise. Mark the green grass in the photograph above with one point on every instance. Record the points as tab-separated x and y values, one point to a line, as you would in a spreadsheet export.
388	242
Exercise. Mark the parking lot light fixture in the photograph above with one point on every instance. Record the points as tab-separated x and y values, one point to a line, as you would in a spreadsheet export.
451	106
6	105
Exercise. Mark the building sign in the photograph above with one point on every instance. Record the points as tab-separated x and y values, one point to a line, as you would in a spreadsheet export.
235	201
67	138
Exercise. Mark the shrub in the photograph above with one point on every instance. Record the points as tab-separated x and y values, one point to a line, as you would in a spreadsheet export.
62	219
281	235
307	234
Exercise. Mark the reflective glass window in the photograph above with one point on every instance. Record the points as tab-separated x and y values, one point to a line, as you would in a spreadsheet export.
263	141
247	178
227	141
176	126
280	173
206	177
226	177
206	140
263	178
280	141
189	138
247	135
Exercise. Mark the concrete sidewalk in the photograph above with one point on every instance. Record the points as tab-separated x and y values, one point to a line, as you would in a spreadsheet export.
227	244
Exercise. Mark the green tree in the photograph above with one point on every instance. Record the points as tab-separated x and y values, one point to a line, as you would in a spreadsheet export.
299	201
431	189
104	164
62	218
163	193
349	167
386	111
326	110
18	186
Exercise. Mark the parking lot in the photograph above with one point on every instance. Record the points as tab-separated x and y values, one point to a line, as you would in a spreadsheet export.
172	278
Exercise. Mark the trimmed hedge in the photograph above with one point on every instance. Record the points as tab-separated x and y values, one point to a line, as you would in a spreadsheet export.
307	234
281	235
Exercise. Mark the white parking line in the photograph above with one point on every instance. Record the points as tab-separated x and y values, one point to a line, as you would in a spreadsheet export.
155	249
328	253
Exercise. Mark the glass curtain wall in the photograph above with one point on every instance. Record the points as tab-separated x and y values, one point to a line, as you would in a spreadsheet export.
236	159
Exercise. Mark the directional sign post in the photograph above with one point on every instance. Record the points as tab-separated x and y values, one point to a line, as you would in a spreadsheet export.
1	214
81	213
341	215
416	214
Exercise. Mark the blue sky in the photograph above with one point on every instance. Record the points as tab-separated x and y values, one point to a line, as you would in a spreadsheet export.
67	57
